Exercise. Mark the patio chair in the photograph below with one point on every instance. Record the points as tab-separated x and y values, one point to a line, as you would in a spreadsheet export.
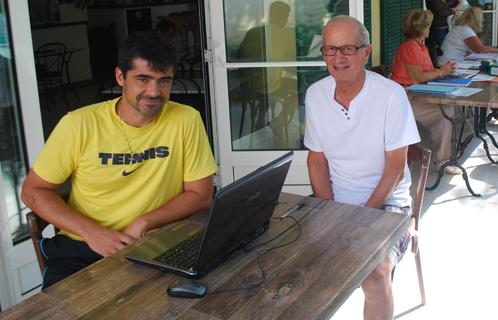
418	161
50	63
36	225
380	69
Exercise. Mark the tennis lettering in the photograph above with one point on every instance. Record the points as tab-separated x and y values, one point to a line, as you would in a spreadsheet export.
114	159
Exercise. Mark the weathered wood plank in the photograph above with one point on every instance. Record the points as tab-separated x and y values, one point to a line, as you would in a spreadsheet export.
39	307
327	257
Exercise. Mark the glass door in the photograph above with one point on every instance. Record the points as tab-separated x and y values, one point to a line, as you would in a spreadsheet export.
13	164
265	55
21	138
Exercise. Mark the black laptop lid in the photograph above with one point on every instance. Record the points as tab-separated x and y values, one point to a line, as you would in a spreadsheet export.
241	211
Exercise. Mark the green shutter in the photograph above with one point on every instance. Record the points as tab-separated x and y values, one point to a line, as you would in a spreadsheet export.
392	12
367	21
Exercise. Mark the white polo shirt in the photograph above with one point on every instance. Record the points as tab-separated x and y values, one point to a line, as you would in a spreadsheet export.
354	141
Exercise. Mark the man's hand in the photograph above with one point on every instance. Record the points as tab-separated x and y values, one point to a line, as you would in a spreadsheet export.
137	228
106	241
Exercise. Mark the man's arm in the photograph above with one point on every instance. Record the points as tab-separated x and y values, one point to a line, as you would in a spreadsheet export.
393	174
318	170
197	195
42	197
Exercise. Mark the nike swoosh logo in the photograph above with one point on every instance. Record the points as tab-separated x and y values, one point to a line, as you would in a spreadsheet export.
127	173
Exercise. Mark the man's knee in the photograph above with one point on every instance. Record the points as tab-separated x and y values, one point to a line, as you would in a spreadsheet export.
379	279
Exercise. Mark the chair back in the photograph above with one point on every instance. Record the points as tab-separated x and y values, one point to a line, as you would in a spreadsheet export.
380	69
418	160
50	62
36	225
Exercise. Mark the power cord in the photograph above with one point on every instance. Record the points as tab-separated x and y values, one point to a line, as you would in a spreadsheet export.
265	251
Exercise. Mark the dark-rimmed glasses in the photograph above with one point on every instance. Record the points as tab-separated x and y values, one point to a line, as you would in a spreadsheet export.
347	50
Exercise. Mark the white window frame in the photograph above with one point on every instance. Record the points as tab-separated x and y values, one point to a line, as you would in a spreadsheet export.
13	257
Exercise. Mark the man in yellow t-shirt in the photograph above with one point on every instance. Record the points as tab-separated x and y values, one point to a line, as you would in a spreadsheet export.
136	163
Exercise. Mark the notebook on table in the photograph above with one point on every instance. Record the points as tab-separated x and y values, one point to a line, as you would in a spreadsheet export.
240	213
428	88
451	81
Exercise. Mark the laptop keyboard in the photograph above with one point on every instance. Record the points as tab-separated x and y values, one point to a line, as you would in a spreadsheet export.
182	256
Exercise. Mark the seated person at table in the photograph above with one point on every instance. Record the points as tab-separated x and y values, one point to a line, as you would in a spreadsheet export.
462	39
358	128
136	163
412	64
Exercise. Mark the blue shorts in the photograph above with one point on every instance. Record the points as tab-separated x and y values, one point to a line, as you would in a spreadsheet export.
398	250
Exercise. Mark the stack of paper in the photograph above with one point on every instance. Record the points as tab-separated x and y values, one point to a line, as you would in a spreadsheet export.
427	88
466	73
464	92
482	56
468	64
444	90
459	82
483	77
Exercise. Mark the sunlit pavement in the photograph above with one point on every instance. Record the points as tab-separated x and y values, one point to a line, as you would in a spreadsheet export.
458	245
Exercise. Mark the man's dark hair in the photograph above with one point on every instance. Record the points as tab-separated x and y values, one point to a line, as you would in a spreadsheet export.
149	46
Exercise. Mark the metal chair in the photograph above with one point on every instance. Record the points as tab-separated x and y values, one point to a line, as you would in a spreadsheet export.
50	63
418	161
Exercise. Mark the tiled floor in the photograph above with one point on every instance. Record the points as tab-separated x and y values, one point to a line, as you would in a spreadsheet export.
458	240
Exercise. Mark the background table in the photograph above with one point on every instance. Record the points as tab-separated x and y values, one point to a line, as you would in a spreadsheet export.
487	98
339	245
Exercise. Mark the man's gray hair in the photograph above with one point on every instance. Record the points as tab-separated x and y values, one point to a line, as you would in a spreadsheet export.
362	31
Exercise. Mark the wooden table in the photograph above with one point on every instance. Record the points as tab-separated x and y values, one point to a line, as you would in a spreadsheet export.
337	248
479	102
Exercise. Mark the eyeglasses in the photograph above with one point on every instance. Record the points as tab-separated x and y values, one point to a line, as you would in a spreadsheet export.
347	50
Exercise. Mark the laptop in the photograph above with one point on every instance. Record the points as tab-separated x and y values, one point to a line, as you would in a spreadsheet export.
240	213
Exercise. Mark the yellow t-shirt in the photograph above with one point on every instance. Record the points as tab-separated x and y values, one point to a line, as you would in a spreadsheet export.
120	171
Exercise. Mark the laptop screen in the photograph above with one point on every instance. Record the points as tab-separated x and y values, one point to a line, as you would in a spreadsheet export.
241	212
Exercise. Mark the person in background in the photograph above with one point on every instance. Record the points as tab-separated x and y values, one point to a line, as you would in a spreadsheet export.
136	163
270	87
358	129
462	39
412	64
441	10
167	28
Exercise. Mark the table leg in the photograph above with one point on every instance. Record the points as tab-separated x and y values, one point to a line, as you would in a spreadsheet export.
483	120
478	129
455	122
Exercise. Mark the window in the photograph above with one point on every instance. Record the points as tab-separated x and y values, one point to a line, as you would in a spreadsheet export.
12	153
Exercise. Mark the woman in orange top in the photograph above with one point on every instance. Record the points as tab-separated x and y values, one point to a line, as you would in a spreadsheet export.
412	64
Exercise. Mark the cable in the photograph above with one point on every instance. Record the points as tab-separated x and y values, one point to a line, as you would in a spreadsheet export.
300	205
258	259
265	251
